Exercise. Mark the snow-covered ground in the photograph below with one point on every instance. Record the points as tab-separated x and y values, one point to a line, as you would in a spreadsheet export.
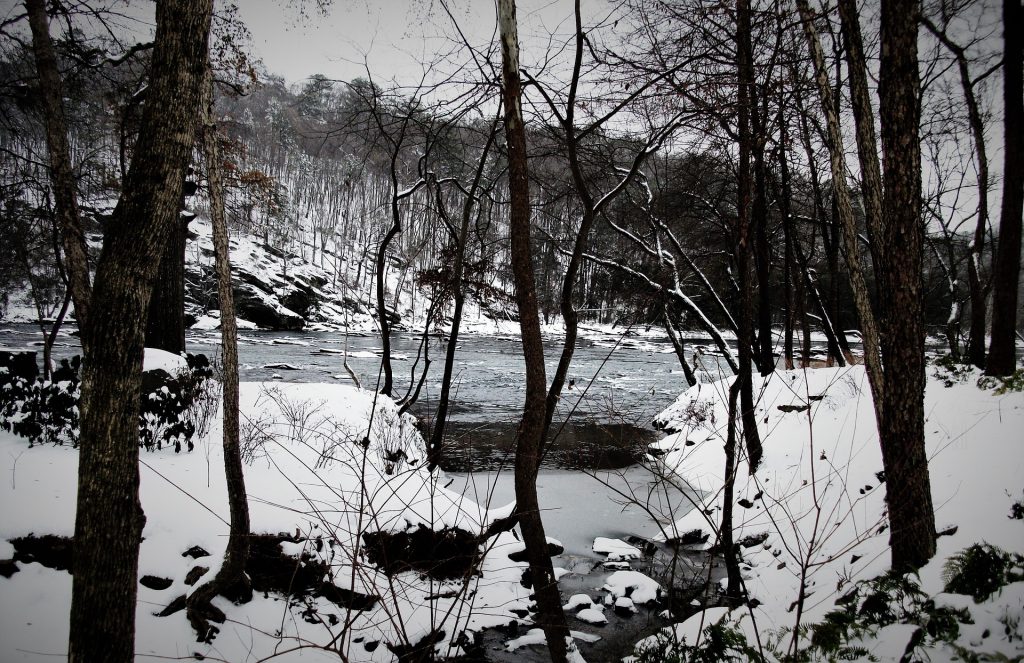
814	512
329	464
311	475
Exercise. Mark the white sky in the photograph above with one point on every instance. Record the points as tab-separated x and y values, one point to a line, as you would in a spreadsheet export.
392	37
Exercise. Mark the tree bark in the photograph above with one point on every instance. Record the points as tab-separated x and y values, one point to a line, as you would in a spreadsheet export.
907	486
165	318
550	616
231	577
1002	351
745	340
109	519
62	178
436	442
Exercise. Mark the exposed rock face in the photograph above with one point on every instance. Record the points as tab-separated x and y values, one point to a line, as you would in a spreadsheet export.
273	290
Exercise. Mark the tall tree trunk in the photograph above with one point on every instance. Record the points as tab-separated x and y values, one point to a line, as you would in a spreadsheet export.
1002	358
745	340
550	616
978	291
841	193
726	539
231	578
762	247
441	418
907	486
864	118
109	520
62	178
165	318
787	237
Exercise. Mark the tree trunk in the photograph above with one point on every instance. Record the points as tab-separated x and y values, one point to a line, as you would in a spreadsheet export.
436	442
677	345
109	521
745	70
837	163
1002	358
734	586
978	291
231	578
165	319
62	178
550	616
908	488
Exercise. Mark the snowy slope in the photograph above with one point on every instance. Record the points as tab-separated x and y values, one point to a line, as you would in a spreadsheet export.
816	507
326	465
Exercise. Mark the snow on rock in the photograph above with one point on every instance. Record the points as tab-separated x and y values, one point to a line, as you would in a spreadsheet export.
625	604
634	585
616	549
535	636
577	601
210	321
592	616
155	359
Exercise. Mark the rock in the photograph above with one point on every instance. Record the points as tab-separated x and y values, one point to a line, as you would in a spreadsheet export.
155	582
753	540
554	548
195	552
257	304
193	576
578	601
624	606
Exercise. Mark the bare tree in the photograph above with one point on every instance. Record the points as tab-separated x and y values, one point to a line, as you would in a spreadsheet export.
109	518
1002	358
231	579
532	426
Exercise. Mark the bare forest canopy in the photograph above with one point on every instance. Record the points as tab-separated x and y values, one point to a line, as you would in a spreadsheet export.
324	169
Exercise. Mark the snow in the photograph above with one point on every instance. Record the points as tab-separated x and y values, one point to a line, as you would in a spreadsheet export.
592	616
689	632
155	359
616	549
308	473
577	601
535	636
634	585
210	321
816	501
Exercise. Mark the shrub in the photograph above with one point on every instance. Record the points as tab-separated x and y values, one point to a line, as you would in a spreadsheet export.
173	409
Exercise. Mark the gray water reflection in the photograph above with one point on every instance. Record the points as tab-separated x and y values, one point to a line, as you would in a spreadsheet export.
630	382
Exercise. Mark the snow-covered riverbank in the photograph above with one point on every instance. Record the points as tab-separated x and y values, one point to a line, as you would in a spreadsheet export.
337	485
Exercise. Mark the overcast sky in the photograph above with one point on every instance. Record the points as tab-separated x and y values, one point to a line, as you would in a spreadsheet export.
392	37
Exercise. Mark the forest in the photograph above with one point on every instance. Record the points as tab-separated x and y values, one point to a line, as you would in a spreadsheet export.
814	207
